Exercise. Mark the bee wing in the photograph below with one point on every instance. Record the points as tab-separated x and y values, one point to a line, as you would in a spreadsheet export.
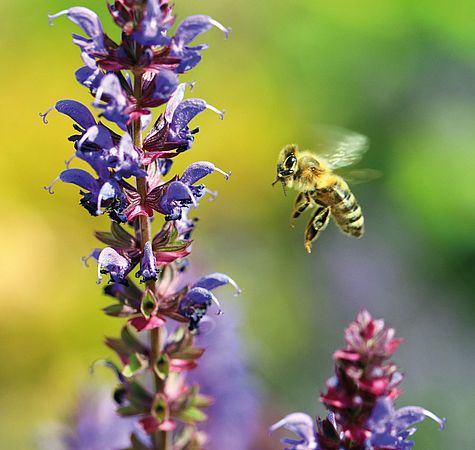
360	175
340	147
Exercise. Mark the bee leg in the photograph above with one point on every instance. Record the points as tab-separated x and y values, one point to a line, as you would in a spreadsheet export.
317	223
302	202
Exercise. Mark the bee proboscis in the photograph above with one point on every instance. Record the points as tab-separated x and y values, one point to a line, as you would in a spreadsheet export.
313	176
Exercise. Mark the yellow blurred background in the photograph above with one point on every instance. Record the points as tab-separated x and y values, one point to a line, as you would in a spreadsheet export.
398	71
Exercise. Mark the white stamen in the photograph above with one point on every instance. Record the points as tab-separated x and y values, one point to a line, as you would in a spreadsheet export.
216	110
68	161
50	187
212	194
43	115
226	174
218	25
51	17
216	302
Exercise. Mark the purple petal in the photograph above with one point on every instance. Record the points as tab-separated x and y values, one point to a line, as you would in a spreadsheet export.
186	111
176	192
77	111
116	102
81	178
196	171
199	296
166	83
90	78
409	415
189	59
116	265
98	135
88	20
148	269
154	25
109	189
215	280
174	101
303	426
193	26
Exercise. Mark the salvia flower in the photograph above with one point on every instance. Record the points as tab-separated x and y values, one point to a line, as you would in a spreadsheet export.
127	180
360	397
199	298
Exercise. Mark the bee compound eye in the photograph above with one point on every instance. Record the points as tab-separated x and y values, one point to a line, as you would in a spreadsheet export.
290	162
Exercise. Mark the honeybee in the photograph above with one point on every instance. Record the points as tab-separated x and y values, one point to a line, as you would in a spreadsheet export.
313	176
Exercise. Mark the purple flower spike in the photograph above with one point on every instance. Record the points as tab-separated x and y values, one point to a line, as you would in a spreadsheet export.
148	270
303	426
115	265
89	22
116	103
214	280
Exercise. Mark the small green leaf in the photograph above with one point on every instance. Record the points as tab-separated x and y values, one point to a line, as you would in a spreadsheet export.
148	304
162	366
132	342
160	408
118	310
121	235
193	414
118	346
128	410
135	365
202	401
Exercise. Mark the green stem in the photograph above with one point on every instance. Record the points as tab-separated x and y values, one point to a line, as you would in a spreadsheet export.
160	439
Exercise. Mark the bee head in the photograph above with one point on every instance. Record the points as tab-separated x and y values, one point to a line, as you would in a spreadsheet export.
286	165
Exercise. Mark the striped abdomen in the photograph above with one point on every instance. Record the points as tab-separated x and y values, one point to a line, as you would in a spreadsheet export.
345	210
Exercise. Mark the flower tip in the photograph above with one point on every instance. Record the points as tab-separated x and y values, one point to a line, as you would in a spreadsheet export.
50	187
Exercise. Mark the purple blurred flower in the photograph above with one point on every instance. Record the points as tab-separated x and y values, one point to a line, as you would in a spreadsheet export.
95	426
224	375
359	398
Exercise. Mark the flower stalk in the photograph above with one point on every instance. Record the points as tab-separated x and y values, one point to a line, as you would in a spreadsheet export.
156	347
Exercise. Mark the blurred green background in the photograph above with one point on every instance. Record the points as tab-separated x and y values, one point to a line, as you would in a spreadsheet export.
399	71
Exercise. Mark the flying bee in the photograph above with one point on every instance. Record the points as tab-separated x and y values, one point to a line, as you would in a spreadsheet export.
313	176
